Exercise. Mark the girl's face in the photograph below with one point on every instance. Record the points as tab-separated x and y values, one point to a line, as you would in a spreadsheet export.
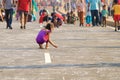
52	27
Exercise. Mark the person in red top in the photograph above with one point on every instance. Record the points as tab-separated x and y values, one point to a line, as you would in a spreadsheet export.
42	17
24	6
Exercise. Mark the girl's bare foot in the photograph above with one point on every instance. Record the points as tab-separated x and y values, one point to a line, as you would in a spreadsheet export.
40	46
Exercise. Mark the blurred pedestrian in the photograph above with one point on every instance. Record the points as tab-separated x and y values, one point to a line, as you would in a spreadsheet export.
8	5
88	16
80	10
116	9
24	7
94	7
104	16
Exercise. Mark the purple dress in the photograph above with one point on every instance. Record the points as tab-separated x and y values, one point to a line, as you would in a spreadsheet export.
42	36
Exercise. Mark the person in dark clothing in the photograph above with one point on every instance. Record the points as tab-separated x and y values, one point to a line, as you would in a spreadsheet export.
8	13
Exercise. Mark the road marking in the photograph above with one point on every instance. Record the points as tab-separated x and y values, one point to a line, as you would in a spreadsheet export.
47	58
63	78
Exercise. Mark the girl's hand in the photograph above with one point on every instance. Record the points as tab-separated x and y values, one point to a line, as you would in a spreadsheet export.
55	46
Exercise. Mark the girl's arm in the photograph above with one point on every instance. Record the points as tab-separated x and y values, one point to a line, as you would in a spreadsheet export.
50	42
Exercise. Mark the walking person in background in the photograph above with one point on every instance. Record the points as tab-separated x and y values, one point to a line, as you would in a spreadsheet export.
8	5
104	16
80	11
116	9
94	7
24	7
88	16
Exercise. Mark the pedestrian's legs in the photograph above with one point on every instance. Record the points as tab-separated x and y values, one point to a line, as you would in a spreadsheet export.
25	19
100	18
115	25
81	18
92	14
6	17
119	26
89	21
105	22
22	19
97	17
10	17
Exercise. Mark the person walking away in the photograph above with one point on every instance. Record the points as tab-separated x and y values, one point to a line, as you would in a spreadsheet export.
24	7
80	11
94	7
88	16
8	5
44	36
104	16
116	9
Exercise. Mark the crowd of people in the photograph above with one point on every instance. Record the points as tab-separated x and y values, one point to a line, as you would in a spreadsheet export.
96	12
89	13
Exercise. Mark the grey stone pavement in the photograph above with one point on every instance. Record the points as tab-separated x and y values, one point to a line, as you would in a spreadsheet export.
83	53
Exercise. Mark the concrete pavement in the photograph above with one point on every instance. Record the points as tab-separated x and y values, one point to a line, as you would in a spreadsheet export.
83	53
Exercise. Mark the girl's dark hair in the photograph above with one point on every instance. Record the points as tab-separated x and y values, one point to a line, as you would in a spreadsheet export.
48	26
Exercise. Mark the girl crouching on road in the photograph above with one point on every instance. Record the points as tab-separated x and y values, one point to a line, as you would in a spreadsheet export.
44	36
